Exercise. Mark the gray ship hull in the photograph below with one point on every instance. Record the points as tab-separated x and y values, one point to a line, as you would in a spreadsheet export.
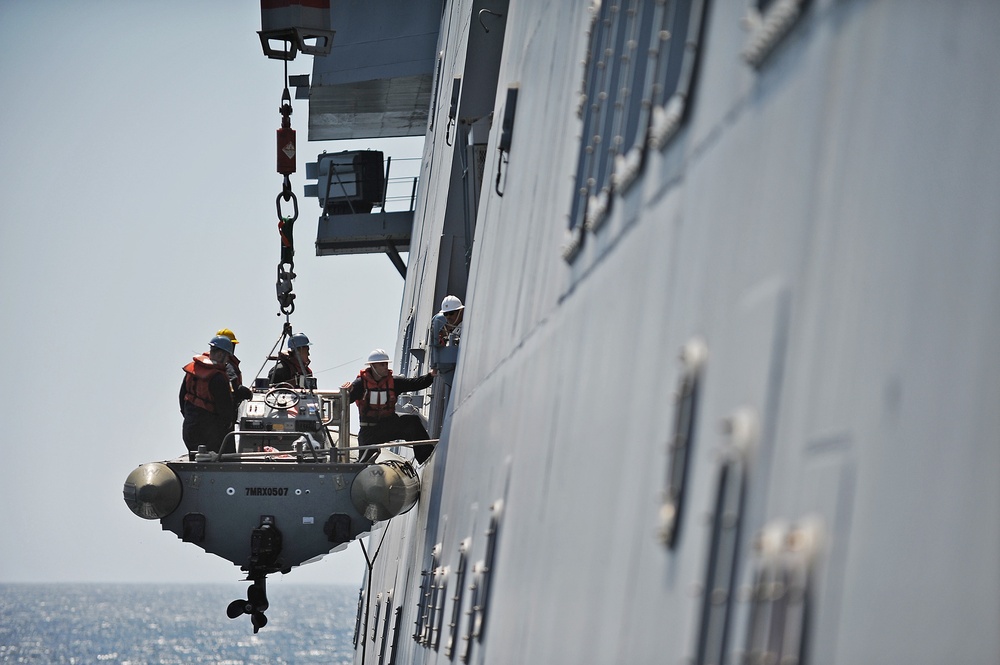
729	394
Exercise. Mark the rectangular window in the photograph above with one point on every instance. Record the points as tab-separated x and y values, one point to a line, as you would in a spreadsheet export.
456	606
386	616
437	89
781	592
679	38
603	80
724	545
720	575
680	450
637	78
425	604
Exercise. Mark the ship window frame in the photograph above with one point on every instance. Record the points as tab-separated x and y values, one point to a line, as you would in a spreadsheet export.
490	561
633	124
648	97
378	611
405	355
585	183
607	97
421	599
721	569
475	610
720	575
422	629
439	591
397	622
781	592
629	162
456	608
385	627
676	69
360	613
693	358
437	90
480	588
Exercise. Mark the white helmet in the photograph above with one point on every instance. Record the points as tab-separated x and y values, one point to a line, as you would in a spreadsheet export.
451	304
378	356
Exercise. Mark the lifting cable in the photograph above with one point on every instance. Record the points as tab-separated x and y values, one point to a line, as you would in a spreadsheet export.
368	582
286	167
286	332
286	265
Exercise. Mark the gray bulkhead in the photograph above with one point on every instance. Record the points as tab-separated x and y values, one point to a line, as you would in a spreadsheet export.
828	223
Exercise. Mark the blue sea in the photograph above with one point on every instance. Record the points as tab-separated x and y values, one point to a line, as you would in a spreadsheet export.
133	624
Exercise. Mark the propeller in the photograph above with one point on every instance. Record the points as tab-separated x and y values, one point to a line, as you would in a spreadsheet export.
254	605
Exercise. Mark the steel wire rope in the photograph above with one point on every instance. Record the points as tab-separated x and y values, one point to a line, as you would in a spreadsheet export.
368	591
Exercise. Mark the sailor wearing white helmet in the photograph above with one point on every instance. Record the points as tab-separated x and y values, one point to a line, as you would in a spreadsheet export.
446	329
375	391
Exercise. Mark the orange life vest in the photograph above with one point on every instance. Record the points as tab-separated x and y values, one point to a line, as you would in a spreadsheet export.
197	375
379	398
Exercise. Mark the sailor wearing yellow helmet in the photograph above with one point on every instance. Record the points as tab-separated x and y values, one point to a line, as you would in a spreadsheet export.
240	392
206	398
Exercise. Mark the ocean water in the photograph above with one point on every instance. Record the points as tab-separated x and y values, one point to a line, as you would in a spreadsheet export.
134	624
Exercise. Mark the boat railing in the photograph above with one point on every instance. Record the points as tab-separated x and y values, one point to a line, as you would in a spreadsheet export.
296	453
304	454
335	429
335	409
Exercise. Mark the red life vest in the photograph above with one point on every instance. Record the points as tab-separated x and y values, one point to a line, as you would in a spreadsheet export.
197	375
379	398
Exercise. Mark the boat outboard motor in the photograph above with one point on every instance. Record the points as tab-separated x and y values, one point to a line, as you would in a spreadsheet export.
265	545
265	548
387	488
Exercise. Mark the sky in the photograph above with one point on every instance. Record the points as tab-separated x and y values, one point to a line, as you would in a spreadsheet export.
137	189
